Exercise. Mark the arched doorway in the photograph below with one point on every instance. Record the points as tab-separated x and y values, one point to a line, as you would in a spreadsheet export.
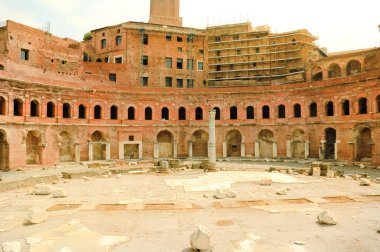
33	148
298	144
364	145
330	138
99	146
66	150
165	144
266	139
234	143
4	152
200	143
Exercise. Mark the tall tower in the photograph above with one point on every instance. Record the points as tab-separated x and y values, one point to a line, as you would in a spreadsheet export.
165	12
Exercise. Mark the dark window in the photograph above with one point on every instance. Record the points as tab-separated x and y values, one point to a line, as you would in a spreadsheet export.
233	113
200	66
250	112
131	138
144	81
189	64
145	39
17	107
118	40
190	83
34	108
182	114
179	39
131	113
201	51
294	42
179	83
98	60
265	112
190	38
82	112
330	109
66	110
232	66
281	111
112	77
238	52
165	113
119	60
2	106
257	50
106	60
363	105
148	113
168	63
346	107
218	68
168	37
1	67
179	63
103	43
50	110
199	113
114	114
297	110
86	58
217	113
24	55
179	49
217	53
235	37
313	111
254	64
97	112
217	39
144	60
168	81
378	104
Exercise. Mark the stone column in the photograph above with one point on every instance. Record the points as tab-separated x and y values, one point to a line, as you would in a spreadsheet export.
274	149
108	151
336	149
77	153
156	150
175	144
140	150
211	141
190	147
224	149
242	149
257	149
322	150
288	148
121	151
307	149
90	151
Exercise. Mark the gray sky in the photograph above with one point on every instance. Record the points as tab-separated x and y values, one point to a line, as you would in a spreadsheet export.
340	25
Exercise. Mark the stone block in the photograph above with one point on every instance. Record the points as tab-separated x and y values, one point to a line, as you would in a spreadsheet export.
326	218
42	189
11	246
282	191
365	182
200	240
330	174
36	216
230	193
59	193
220	194
316	172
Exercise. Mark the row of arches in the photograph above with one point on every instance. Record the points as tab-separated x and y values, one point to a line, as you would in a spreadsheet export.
98	113
334	70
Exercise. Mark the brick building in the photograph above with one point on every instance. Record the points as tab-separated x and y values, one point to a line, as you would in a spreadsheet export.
143	90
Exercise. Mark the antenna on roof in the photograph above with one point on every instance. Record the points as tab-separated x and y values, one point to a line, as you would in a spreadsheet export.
47	28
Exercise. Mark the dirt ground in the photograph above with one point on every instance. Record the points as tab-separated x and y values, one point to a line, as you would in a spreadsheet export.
158	212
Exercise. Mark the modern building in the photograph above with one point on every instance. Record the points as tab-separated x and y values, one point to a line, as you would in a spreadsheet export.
144	90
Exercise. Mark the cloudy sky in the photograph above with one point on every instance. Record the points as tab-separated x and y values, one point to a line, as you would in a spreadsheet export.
340	25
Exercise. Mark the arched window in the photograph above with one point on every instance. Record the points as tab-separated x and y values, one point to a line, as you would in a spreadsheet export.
266	112
114	112
330	109
182	114
34	108
118	40
363	105
17	107
66	110
97	112
165	113
99	60
82	112
346	107
281	111
334	71
1	67
297	110
250	112
353	67
148	113
217	113
316	74
233	113
199	113
50	110
2	106
378	104
131	113
313	110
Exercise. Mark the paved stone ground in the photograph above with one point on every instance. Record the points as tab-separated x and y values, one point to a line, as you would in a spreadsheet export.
158	212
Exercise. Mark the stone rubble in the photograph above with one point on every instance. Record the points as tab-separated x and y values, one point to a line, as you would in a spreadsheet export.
59	193
36	216
42	189
365	182
326	218
11	246
200	240
282	191
220	194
